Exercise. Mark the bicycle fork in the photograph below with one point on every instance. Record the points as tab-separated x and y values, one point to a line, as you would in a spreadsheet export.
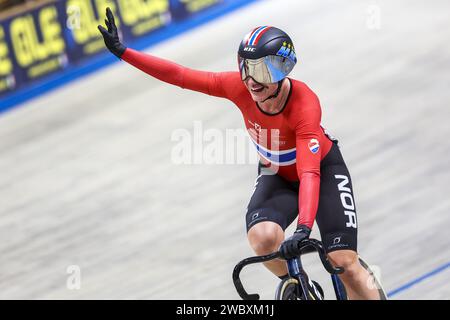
295	270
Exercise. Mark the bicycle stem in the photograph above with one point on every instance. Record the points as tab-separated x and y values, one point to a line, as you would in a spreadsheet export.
294	267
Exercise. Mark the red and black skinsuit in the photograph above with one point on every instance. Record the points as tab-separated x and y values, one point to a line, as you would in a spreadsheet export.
291	143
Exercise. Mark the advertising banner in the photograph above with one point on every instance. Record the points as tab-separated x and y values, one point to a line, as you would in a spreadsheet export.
55	38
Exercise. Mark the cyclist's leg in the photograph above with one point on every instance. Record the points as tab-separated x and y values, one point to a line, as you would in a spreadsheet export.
336	218
357	280
272	207
266	237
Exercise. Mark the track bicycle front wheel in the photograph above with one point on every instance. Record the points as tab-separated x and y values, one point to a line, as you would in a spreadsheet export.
288	289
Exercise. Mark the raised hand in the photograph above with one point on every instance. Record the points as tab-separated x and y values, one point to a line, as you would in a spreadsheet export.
111	35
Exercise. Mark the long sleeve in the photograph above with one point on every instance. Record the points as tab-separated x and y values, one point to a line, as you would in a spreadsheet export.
309	177
308	158
219	84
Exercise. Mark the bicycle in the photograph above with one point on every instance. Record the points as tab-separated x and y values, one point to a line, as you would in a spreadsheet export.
298	286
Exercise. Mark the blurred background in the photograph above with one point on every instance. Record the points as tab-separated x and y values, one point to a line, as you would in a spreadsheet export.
93	204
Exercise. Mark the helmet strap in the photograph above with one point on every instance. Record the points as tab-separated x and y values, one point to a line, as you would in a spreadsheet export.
276	92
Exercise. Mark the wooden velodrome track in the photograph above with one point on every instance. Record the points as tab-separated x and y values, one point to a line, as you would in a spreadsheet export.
87	177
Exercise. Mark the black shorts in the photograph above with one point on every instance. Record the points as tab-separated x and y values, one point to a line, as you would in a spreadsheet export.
276	199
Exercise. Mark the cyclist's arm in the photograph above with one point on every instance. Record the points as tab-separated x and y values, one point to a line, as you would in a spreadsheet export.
220	84
308	164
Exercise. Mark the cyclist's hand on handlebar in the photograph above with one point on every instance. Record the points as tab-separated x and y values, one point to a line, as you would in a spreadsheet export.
111	35
289	247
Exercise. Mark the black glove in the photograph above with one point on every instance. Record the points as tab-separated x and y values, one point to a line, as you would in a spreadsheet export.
111	36
289	247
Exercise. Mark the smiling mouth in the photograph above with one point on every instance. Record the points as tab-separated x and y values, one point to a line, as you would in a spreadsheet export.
257	89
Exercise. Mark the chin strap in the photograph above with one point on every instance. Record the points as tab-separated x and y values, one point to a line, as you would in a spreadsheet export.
276	92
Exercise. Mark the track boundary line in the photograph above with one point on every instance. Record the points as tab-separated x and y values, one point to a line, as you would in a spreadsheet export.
417	280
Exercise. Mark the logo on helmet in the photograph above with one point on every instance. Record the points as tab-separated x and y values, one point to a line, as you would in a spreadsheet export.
287	51
250	49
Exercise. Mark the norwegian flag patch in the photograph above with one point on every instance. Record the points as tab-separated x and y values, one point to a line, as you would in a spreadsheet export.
313	146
